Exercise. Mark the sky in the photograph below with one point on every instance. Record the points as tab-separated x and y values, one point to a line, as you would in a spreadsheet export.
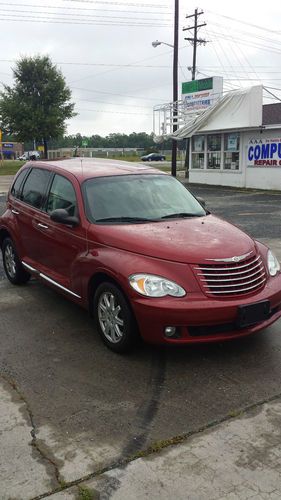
104	50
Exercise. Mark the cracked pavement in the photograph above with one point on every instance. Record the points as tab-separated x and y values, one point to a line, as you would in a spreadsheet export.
72	413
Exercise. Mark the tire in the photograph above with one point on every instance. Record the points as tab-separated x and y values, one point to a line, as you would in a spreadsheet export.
114	319
14	270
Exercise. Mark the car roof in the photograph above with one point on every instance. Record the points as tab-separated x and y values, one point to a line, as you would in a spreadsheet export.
87	168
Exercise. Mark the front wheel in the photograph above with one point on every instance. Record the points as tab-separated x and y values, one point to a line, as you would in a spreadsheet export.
114	318
14	270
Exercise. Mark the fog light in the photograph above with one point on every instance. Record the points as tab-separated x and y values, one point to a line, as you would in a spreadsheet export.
172	332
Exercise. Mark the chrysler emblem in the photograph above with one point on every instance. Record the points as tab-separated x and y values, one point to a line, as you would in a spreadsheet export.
236	258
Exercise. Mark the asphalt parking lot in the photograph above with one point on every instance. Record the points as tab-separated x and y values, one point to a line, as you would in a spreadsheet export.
88	408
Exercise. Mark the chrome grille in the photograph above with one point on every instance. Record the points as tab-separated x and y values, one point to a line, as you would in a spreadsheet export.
231	278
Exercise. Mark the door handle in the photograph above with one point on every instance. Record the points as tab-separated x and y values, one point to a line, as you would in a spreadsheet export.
15	212
43	226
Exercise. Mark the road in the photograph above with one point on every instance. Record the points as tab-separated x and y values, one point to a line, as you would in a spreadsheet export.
91	409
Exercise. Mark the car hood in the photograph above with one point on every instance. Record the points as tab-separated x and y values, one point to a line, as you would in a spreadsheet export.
183	240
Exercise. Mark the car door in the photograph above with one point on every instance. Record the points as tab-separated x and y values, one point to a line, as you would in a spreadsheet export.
61	245
26	205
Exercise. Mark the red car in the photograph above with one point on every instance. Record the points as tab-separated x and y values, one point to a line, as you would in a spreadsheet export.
135	247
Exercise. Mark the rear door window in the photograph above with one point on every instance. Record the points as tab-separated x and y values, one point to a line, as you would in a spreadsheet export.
35	187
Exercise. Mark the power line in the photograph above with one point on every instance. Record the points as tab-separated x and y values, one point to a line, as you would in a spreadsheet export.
84	9
273	50
273	88
129	65
235	48
245	22
218	56
57	20
113	112
31	12
121	3
227	58
250	35
254	79
275	96
115	93
210	68
114	103
256	66
112	70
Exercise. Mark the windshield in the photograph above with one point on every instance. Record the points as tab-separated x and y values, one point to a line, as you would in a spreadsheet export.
138	199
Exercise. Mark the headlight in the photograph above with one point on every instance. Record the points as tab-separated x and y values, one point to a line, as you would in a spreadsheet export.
155	286
272	264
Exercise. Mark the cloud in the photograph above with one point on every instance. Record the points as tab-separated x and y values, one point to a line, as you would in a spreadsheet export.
115	74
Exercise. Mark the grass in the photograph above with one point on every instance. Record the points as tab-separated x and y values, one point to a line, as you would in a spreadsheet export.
10	167
85	493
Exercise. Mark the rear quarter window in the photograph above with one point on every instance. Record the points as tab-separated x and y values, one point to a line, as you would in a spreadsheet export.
17	185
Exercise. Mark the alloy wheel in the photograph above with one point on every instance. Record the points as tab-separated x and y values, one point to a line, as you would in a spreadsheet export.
10	261
110	317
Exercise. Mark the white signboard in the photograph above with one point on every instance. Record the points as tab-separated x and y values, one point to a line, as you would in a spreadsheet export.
264	152
200	94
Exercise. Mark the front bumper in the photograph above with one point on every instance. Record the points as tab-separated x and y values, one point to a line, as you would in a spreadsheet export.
202	319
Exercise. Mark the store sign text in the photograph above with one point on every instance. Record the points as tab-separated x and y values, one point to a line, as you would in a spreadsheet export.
266	154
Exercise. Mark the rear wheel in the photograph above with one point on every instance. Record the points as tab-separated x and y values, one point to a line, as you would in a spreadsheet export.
14	270
114	318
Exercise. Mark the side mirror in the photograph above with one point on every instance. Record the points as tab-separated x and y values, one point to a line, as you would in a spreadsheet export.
62	216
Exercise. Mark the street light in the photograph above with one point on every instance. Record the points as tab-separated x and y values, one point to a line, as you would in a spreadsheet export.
156	43
175	47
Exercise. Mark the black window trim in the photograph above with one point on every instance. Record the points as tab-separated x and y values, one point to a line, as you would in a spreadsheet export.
40	209
47	194
26	174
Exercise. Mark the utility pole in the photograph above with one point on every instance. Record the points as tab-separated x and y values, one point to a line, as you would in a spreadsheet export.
194	41
175	87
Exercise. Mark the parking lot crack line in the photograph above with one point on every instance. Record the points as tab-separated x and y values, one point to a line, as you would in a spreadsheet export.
161	445
34	442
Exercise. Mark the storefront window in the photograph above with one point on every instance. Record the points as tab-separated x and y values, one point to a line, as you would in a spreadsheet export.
198	144
198	156
231	151
214	151
198	160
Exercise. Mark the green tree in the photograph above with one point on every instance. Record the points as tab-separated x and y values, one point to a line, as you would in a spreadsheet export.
38	104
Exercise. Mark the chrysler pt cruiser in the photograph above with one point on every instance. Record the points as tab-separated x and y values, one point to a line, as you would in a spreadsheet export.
133	246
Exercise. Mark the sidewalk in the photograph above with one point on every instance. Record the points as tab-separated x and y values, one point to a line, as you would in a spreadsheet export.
235	460
5	182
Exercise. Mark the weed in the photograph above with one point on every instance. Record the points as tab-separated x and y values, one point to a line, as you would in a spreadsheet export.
85	494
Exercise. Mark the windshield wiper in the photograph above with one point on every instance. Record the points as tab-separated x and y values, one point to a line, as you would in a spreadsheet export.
181	214
125	219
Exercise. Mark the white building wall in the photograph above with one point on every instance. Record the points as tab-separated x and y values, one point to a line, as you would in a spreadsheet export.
217	178
249	175
268	177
